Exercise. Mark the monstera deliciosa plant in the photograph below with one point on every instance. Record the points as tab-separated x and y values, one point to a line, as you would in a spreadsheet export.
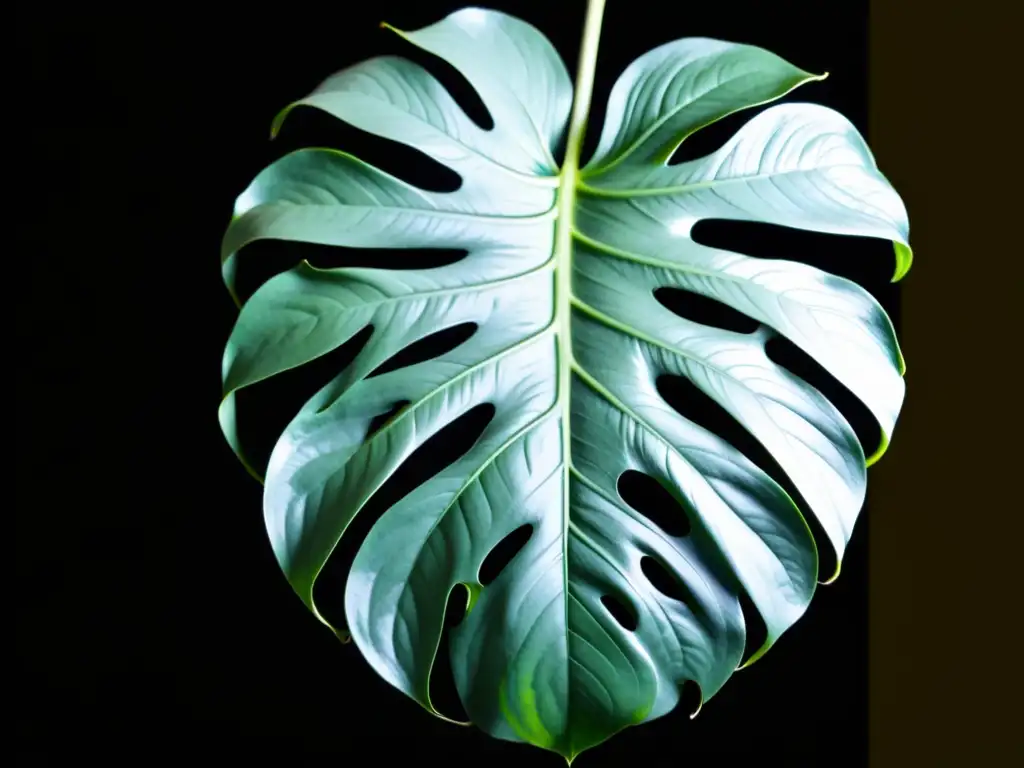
559	276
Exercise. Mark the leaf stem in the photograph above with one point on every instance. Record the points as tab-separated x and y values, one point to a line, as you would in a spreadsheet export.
569	179
584	86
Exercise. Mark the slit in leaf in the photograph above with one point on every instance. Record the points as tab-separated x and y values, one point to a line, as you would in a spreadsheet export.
442	449
263	259
427	348
684	397
265	408
655	502
702	309
331	257
381	419
464	94
785	353
712	137
444	696
867	261
311	127
622	611
503	553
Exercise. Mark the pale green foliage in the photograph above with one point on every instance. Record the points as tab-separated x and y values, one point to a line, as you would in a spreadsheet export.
559	277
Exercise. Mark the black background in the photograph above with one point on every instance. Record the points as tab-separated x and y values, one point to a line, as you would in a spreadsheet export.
156	621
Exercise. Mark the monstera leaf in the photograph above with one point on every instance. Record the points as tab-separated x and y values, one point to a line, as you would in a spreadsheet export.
559	278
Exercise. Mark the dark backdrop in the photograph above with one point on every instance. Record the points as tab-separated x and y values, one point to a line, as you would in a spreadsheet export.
153	620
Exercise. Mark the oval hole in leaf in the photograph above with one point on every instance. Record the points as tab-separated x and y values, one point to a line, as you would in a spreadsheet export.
381	419
691	698
652	500
308	127
506	549
756	629
443	448
785	353
261	260
265	408
441	684
621	611
711	138
702	309
663	580
427	348
464	94
684	397
867	261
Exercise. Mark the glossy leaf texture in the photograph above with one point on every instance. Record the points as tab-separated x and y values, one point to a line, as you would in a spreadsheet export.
572	376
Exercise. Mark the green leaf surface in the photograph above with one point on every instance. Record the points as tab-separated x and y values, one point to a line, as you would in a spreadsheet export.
559	277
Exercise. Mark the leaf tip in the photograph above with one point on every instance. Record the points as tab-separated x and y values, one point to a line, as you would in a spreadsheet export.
811	77
883	446
279	118
904	259
834	576
755	657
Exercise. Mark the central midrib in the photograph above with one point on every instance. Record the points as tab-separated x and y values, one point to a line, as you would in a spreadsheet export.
564	224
